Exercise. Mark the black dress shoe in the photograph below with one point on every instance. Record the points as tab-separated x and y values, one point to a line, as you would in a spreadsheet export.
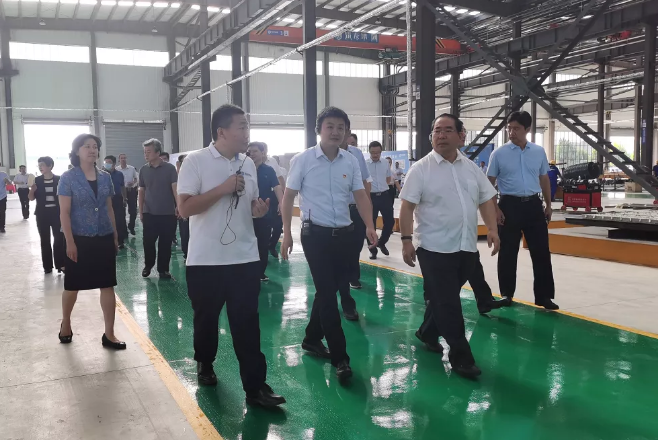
65	339
132	231
491	305
384	249
351	315
205	373
111	344
146	272
343	370
265	397
122	246
506	301
274	252
431	346
547	304
355	284
316	348
165	275
48	270
373	254
470	372
264	278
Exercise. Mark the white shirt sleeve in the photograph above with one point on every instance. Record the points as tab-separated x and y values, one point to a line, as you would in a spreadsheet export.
189	179
357	179
412	191
485	188
493	169
296	173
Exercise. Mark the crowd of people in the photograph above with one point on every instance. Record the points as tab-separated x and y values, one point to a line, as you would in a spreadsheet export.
232	202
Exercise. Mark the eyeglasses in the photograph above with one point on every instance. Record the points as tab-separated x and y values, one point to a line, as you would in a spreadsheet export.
446	131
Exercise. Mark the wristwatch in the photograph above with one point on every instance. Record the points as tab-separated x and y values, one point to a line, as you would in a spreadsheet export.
406	237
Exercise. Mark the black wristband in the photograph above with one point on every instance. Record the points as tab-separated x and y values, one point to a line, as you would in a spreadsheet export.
406	237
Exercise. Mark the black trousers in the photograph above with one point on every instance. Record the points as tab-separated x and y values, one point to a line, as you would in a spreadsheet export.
120	217
184	228
277	227
326	256
444	276
353	252
3	212
131	193
383	203
160	228
237	286
429	330
47	221
263	231
527	218
25	201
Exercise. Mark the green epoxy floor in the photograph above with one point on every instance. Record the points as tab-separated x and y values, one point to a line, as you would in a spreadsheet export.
545	376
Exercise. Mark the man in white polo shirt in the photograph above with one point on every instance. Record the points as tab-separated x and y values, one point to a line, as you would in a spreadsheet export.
23	189
444	190
218	192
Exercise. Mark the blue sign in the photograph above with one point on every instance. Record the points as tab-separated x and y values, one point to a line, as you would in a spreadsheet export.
277	32
398	156
360	37
483	156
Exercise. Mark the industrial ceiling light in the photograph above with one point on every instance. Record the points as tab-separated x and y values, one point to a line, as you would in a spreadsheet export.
160	4
174	5
126	3
449	8
42	23
154	30
108	3
474	13
143	4
213	9
196	7
461	11
226	11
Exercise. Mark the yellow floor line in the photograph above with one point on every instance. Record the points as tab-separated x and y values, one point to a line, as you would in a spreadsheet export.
203	428
564	312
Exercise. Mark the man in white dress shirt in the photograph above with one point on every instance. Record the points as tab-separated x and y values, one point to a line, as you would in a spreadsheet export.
131	179
23	189
444	190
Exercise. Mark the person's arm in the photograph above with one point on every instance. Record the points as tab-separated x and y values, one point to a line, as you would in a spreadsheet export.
489	215
141	196
110	212
545	184
492	174
190	200
65	220
282	182
389	176
364	206
406	230
286	217
397	185
33	192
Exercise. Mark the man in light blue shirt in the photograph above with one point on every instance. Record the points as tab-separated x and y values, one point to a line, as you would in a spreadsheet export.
325	176
348	303
382	177
521	170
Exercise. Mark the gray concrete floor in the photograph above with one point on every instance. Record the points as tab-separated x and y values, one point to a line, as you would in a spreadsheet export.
76	391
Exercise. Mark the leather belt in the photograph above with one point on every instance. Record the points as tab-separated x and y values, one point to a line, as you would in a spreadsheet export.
334	232
521	199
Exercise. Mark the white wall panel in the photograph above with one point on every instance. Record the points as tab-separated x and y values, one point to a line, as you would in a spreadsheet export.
125	41
67	38
358	96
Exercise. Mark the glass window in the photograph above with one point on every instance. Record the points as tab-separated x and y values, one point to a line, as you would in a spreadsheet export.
131	57
279	141
48	52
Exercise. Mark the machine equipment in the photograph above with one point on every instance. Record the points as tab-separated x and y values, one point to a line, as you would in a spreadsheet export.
581	187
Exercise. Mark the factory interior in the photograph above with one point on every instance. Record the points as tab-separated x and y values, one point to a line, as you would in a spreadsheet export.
127	71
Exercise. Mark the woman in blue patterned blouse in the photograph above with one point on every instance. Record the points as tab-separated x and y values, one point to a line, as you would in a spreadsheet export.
85	199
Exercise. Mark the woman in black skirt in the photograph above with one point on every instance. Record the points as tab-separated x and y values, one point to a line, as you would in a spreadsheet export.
44	191
85	199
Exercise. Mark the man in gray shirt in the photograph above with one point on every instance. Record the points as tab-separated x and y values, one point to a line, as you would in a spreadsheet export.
157	208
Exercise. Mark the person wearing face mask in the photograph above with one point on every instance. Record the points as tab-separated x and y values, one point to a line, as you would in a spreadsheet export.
120	198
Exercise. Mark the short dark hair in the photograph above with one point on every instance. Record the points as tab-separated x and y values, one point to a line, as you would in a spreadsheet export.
78	142
356	138
181	158
331	112
260	145
112	158
374	144
522	118
164	154
153	142
222	117
21	166
123	154
46	160
459	125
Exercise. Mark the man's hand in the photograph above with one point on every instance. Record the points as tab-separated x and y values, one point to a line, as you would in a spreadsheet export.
493	240
278	210
286	246
260	208
72	251
409	253
548	212
233	184
141	217
500	217
372	238
177	213
116	242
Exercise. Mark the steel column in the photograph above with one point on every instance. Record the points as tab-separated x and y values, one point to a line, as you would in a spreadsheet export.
600	114
94	84
608	114
206	106
425	81
649	96
549	143
454	93
310	73
533	114
637	123
246	82
325	78
389	125
6	66
236	72
173	93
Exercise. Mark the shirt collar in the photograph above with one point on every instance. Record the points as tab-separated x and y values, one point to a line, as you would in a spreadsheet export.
319	153
440	158
216	154
514	146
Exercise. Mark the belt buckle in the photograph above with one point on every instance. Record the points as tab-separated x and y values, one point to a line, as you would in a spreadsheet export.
334	232
525	199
